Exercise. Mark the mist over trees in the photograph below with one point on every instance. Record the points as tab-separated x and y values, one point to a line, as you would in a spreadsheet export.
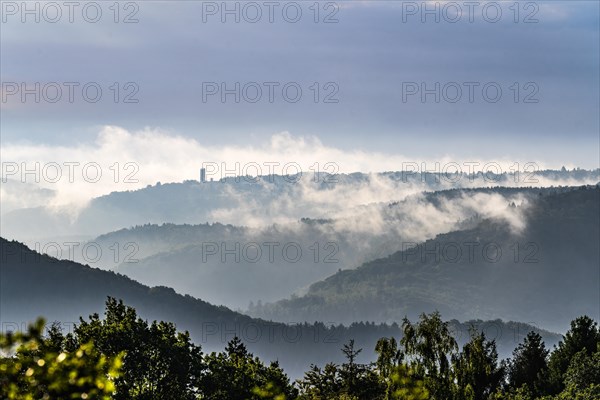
32	284
300	200
299	348
28	217
545	272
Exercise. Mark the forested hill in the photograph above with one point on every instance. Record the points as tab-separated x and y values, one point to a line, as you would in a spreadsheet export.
180	256
33	285
544	273
195	202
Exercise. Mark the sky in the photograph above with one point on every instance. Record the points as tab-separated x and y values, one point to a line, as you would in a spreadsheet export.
389	80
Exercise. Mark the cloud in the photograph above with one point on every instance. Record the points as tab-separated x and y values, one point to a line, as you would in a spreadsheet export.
120	160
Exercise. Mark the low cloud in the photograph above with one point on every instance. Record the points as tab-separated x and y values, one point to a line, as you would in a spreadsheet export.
120	160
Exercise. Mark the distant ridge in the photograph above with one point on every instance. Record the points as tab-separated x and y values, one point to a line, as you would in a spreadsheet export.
556	274
33	285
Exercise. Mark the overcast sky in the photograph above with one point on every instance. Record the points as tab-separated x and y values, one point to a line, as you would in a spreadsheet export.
372	63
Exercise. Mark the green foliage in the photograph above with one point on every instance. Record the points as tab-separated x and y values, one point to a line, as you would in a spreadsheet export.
405	385
430	345
529	365
583	336
388	364
125	357
42	369
159	362
476	370
236	374
359	381
427	366
584	370
571	392
389	356
351	380
320	384
522	393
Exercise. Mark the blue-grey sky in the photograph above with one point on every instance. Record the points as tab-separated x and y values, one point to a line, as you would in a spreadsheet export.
371	57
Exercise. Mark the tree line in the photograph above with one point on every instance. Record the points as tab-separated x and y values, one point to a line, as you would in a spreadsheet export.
122	356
